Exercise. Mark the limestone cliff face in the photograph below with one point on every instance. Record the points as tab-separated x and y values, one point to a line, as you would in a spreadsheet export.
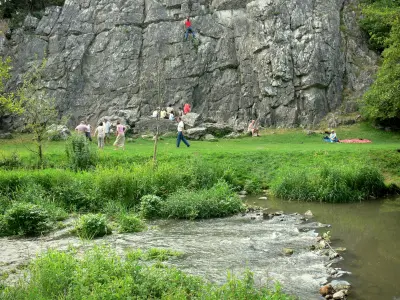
283	62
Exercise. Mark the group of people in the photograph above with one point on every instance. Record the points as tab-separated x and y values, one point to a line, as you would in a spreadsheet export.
103	132
170	113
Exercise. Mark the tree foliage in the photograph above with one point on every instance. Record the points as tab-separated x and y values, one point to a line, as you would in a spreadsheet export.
9	8
382	21
39	109
8	102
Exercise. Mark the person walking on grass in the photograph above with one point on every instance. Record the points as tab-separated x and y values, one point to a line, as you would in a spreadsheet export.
101	133
107	127
120	141
87	133
81	128
180	133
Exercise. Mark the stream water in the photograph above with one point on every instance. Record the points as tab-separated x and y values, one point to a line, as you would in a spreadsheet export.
211	248
371	233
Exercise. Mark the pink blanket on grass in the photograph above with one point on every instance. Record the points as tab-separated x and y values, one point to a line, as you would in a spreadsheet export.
355	141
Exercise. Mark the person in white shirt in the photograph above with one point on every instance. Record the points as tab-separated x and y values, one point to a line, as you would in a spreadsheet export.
101	133
180	137
171	116
88	132
333	137
170	109
107	127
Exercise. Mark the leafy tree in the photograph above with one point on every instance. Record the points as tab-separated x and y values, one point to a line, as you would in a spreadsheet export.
381	19
8	102
39	109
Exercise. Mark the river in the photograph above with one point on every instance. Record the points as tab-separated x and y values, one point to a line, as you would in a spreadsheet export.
371	233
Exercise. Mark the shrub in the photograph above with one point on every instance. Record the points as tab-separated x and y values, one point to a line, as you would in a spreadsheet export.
329	184
219	201
92	225
160	254
27	219
150	206
3	227
80	155
9	162
130	223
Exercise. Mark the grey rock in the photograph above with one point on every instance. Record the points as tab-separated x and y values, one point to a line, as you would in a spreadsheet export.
287	251
262	198
284	63
191	119
218	130
57	132
30	22
196	133
308	213
233	135
242	192
210	138
339	295
150	125
6	136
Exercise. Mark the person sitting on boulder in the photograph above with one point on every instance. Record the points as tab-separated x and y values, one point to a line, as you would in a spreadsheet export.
253	128
189	28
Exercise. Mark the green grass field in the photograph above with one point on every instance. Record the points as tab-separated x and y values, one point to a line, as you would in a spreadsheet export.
276	148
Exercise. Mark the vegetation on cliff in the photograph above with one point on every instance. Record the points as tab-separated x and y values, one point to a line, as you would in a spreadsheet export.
380	18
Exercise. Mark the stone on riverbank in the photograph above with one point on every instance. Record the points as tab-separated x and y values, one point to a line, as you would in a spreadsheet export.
287	251
326	289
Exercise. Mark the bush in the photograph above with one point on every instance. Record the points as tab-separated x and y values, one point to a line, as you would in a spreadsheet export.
27	219
219	201
130	223
3	227
80	155
92	225
150	206
329	184
9	162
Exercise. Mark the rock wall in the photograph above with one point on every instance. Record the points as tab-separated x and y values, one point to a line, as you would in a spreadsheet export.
283	62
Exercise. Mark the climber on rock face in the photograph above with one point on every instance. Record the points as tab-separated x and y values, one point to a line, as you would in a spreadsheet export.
189	28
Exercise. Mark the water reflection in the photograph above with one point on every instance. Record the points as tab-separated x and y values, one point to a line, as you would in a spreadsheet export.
371	233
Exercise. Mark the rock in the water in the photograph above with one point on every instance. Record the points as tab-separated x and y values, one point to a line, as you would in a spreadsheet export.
326	289
339	295
262	198
242	192
340	285
340	249
308	213
287	251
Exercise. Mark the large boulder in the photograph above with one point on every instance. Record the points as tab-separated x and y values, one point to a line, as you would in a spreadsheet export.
218	129
191	119
196	133
57	132
150	125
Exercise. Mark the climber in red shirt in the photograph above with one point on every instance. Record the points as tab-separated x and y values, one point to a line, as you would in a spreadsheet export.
189	28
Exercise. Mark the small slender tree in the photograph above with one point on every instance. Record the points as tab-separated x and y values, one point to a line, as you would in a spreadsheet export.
39	109
9	104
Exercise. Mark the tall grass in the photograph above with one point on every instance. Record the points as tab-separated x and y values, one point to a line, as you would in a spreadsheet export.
218	201
334	184
102	274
